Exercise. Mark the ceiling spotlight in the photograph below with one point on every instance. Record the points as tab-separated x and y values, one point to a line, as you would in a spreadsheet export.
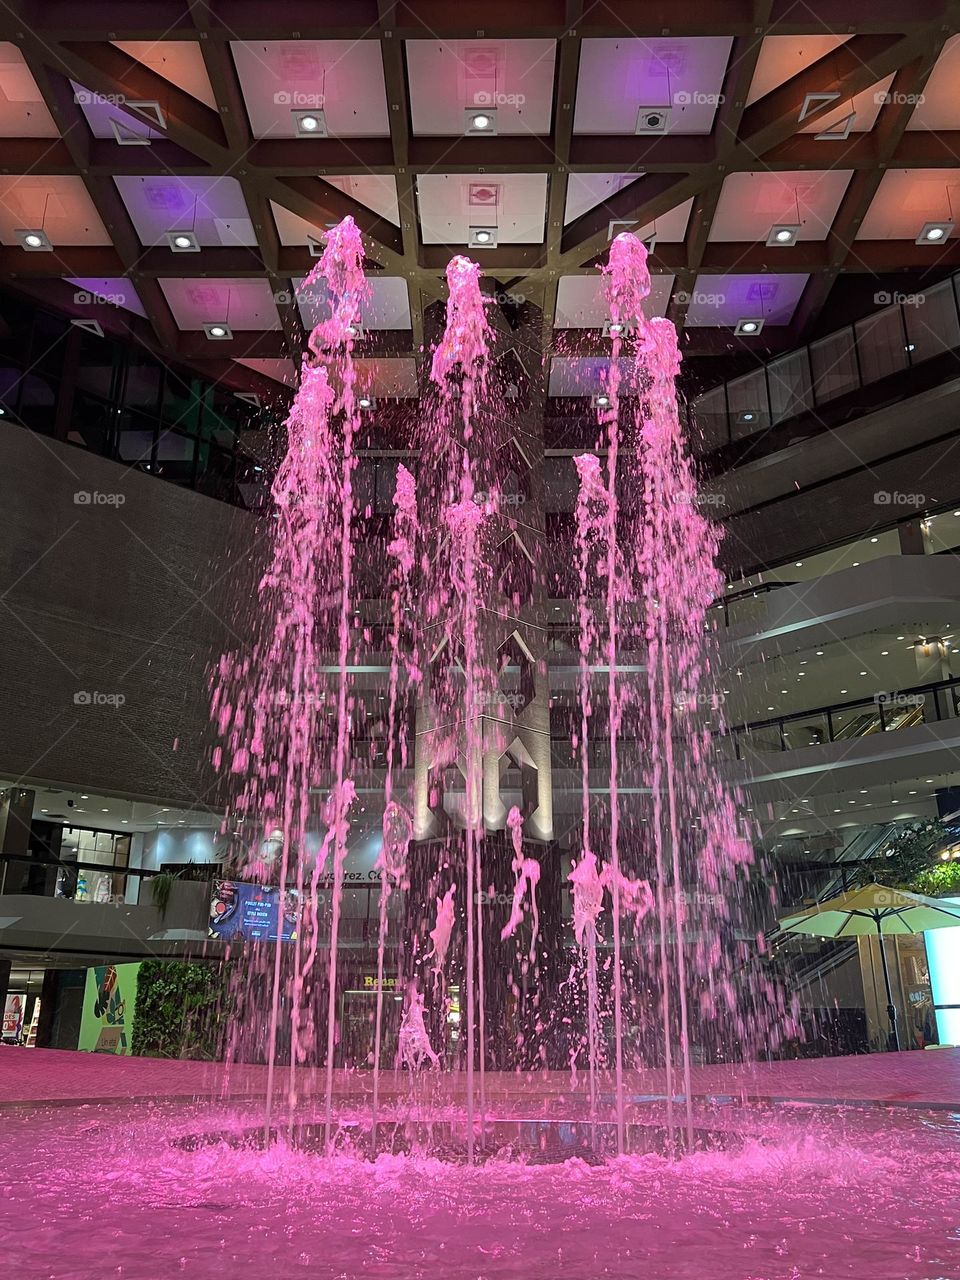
747	328
366	403
183	242
601	400
747	415
783	234
653	119
356	331
218	330
934	232
483	238
34	241
480	120
310	124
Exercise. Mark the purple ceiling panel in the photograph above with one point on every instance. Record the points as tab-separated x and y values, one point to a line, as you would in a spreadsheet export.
107	291
213	208
720	301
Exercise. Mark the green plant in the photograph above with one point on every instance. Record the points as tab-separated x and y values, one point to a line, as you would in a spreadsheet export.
914	850
181	1010
161	886
939	880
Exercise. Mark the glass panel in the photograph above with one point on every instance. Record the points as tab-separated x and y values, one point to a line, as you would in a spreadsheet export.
709	414
386	485
810	731
364	484
135	446
855	721
38	399
747	402
142	388
789	381
881	345
932	324
765	737
834	363
903	710
9	386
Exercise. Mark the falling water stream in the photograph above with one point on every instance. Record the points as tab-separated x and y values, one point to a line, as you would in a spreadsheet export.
652	834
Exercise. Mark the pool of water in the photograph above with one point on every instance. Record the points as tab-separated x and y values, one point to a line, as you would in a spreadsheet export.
777	1194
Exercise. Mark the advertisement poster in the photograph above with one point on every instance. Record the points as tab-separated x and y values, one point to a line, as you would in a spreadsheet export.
109	999
13	1016
251	912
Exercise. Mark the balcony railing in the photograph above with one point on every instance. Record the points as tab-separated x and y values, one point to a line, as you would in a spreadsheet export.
843	721
912	330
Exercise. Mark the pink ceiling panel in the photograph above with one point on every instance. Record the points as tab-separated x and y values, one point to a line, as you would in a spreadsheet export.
939	108
112	291
59	206
581	303
587	190
376	191
906	199
22	110
448	76
720	301
344	78
244	304
750	203
450	204
387	305
618	77
179	61
284	371
213	208
391	377
783	57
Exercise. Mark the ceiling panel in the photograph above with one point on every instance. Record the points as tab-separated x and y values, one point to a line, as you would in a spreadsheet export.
750	203
60	207
387	376
213	208
109	290
722	300
243	304
386	307
179	61
783	57
344	78
618	77
581	303
581	375
906	199
449	76
23	113
450	204
284	371
939	105
109	120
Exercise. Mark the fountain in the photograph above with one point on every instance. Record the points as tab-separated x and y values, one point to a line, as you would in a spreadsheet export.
472	877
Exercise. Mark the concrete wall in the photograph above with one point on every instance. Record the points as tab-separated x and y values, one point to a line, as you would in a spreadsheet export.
126	592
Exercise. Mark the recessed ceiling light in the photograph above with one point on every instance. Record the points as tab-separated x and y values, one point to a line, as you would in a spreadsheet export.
653	119
748	328
480	120
798	564
356	331
934	232
44	810
84	797
310	124
123	819
747	415
366	403
901	637
843	691
104	810
34	240
218	330
183	242
615	328
783	234
602	401
819	653
483	238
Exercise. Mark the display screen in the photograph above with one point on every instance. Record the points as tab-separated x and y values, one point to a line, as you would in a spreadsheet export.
251	912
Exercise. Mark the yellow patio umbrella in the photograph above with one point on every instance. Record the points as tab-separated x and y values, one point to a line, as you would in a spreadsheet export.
874	908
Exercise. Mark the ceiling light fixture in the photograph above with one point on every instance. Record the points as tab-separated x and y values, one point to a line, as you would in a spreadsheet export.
653	119
480	120
615	328
310	124
934	232
748	328
366	403
601	400
483	238
183	242
34	240
783	234
218	330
